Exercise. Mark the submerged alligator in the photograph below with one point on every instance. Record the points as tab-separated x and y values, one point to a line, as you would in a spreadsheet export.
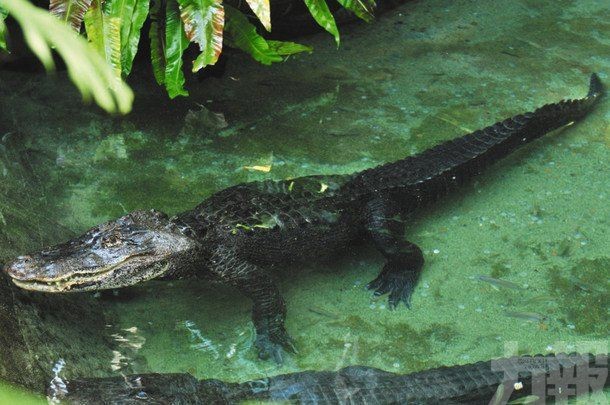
560	376
234	233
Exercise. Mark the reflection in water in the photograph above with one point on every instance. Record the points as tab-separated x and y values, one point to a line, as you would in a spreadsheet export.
199	342
129	342
57	386
237	348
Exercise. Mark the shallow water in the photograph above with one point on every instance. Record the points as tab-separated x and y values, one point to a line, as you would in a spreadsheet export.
426	72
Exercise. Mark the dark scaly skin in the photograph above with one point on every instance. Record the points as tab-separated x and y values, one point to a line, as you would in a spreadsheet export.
477	383
236	232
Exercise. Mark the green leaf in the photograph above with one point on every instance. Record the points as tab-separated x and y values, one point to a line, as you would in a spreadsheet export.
243	35
362	8
132	13
87	69
288	48
204	23
157	39
175	44
70	11
104	34
320	12
3	14
262	10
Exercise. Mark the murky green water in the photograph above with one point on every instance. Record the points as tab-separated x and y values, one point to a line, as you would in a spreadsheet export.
12	395
429	71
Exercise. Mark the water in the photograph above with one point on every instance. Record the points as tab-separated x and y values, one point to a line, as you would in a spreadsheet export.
426	72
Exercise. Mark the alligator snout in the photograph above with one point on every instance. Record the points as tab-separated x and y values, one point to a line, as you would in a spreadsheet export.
21	268
29	268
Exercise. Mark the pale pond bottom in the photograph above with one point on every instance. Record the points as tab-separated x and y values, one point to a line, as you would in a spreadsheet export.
428	71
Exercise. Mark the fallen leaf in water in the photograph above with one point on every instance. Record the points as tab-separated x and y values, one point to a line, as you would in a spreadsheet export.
262	168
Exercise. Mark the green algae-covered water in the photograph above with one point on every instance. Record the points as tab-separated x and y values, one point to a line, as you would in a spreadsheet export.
516	262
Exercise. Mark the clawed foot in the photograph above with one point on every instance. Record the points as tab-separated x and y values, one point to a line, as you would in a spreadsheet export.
272	345
396	280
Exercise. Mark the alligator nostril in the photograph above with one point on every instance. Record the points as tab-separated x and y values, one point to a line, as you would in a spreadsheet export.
18	268
12	269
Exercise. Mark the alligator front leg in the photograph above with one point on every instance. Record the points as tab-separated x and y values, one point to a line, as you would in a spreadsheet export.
268	307
404	259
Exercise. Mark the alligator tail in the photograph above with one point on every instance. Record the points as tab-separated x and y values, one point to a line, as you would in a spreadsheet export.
596	87
435	171
507	379
553	116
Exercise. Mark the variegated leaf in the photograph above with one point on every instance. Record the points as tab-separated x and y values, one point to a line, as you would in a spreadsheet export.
157	39
262	10
204	24
321	13
132	13
70	11
104	34
362	8
175	44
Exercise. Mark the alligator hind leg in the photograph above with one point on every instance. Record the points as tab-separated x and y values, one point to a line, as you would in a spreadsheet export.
404	259
268	307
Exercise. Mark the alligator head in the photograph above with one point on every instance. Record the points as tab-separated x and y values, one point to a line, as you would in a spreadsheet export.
136	247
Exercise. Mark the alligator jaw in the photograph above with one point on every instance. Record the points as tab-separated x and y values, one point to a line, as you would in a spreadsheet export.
85	282
40	286
82	282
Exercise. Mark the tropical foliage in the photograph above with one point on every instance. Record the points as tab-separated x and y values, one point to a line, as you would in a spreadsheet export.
87	69
113	29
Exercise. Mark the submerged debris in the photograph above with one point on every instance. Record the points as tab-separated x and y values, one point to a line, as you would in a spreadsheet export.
203	122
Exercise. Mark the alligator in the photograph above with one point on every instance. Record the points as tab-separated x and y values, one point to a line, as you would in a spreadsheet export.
235	233
557	377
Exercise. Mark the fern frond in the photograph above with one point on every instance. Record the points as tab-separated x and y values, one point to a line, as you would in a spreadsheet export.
157	39
204	24
132	14
175	44
362	8
70	11
321	13
104	33
3	15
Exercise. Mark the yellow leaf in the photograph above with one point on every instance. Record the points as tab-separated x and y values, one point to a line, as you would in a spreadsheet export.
261	168
262	10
